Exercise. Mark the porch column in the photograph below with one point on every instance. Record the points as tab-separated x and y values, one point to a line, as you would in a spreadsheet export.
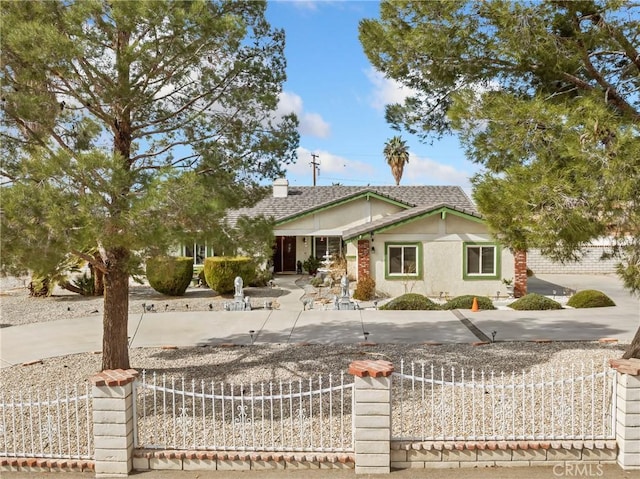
520	273
364	258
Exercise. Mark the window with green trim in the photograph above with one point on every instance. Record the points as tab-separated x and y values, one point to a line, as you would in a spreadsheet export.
402	260
481	260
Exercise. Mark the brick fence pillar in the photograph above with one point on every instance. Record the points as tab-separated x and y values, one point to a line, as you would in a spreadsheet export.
372	416
364	259
520	273
628	412
113	422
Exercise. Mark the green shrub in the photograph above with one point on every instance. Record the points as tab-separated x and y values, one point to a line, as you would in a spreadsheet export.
466	302
170	275
534	302
365	289
261	277
410	301
316	282
85	283
40	286
590	298
221	271
311	264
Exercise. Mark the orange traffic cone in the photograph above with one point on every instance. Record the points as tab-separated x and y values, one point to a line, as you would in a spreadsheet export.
474	306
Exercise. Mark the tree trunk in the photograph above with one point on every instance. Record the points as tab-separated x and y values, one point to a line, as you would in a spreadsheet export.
633	351
115	340
69	287
98	278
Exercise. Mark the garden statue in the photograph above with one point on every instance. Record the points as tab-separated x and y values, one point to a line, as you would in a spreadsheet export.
344	303
240	302
344	286
237	283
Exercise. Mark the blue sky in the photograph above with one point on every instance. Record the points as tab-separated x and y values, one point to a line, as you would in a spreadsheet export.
339	99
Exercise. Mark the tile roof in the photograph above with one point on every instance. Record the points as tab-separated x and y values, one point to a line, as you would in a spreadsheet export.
305	199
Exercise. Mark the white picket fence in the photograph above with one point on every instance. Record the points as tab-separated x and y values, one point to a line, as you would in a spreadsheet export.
428	403
441	404
311	415
55	424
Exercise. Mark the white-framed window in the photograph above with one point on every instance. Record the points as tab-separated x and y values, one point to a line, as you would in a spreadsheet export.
327	246
481	260
403	260
197	251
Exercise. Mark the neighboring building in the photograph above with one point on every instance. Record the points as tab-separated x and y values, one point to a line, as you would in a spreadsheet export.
422	239
596	259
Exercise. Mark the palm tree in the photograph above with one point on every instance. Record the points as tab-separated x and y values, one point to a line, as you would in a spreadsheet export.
397	155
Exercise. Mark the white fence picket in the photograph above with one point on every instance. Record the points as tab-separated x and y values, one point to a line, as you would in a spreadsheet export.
564	405
58	427
237	417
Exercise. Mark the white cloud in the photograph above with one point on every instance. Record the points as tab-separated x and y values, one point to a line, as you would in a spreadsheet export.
333	168
311	124
425	171
386	91
305	4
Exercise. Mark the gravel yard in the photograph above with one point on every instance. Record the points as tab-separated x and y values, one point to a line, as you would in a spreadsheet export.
257	364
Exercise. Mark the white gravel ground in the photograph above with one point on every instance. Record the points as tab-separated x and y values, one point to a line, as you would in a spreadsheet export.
264	363
257	363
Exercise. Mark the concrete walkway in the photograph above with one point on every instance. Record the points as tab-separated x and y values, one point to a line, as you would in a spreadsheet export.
290	324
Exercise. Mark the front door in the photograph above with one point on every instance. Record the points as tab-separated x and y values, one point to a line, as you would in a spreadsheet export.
284	259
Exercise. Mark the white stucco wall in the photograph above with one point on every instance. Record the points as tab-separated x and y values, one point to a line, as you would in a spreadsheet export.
442	258
333	221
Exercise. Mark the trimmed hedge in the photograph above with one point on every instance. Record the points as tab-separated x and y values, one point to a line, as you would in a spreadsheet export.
221	271
170	275
466	302
534	302
410	302
590	298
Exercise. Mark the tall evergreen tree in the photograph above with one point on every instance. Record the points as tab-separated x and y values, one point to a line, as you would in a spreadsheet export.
545	96
130	126
397	155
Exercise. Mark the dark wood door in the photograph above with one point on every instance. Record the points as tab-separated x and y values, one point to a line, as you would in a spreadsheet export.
284	259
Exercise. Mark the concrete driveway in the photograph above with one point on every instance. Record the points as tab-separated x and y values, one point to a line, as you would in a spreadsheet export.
20	344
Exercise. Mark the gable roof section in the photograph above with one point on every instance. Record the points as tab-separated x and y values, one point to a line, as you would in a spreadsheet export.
304	200
407	216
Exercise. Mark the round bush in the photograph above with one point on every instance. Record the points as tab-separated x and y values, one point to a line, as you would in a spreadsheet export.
466	302
170	275
365	289
221	272
534	302
410	302
590	298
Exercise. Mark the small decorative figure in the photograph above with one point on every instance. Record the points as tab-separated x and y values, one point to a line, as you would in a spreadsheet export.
237	283
344	286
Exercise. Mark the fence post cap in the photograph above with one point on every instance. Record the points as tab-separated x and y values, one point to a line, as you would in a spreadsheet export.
627	366
114	377
371	368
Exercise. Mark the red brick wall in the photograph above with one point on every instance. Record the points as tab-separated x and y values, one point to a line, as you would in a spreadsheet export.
364	258
520	273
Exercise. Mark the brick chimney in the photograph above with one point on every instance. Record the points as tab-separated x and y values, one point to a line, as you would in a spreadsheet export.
280	188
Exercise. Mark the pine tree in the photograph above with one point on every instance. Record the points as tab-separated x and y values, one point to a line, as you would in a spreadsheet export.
545	97
130	126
